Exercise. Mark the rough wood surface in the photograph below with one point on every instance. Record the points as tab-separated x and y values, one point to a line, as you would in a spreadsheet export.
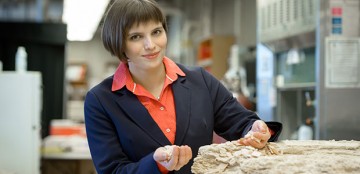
289	156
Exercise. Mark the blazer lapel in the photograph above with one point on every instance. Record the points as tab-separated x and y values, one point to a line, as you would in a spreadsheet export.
140	116
182	107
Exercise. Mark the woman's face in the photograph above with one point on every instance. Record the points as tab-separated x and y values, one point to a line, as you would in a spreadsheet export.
145	46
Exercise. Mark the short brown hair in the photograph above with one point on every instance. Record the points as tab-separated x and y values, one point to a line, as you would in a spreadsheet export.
121	16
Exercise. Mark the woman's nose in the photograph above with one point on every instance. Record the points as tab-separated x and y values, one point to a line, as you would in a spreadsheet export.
149	44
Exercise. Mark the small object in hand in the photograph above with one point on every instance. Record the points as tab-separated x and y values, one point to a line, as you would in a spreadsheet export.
168	150
251	136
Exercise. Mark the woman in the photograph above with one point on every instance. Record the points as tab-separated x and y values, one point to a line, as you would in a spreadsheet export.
152	115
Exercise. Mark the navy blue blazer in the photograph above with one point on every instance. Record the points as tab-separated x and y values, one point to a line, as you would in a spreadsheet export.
122	135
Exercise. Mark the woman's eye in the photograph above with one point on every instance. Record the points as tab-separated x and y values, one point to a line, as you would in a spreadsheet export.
157	32
135	37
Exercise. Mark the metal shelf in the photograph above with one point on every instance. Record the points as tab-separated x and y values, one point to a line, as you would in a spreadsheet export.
297	86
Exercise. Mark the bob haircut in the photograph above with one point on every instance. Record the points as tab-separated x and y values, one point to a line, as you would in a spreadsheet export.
121	16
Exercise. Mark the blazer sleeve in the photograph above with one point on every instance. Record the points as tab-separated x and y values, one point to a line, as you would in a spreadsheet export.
276	127
106	150
231	121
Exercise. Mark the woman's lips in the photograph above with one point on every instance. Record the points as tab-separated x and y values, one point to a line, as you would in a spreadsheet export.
152	55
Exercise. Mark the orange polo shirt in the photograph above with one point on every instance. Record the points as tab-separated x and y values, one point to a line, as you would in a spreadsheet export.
162	110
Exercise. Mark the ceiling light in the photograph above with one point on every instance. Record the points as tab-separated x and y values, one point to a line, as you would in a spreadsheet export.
82	18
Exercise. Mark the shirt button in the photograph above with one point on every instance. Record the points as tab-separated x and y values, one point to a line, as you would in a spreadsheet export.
167	130
161	108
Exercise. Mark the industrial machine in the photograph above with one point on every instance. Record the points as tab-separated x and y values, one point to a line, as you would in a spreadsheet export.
308	59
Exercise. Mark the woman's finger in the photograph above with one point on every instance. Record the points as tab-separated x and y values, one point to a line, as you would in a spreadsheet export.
188	153
243	141
256	144
262	136
160	154
174	159
185	154
182	158
259	126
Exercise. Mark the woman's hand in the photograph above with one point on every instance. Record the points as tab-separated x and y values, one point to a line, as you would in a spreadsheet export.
258	136
173	157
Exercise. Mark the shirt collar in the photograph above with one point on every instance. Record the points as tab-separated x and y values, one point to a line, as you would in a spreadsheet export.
122	74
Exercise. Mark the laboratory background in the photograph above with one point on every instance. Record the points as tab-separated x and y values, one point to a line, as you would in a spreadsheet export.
292	61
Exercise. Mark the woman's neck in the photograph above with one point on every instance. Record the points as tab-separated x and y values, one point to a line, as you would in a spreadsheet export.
152	80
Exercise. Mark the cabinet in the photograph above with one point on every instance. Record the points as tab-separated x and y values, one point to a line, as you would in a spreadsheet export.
213	54
21	107
293	109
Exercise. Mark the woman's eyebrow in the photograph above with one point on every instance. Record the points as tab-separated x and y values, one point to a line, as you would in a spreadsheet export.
137	32
157	28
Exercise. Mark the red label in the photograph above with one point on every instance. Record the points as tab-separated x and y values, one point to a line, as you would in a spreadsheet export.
336	11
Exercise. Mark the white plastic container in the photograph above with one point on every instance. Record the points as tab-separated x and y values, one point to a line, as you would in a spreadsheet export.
21	60
305	131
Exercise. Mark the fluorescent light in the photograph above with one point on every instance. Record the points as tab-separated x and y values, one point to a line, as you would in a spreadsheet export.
82	18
